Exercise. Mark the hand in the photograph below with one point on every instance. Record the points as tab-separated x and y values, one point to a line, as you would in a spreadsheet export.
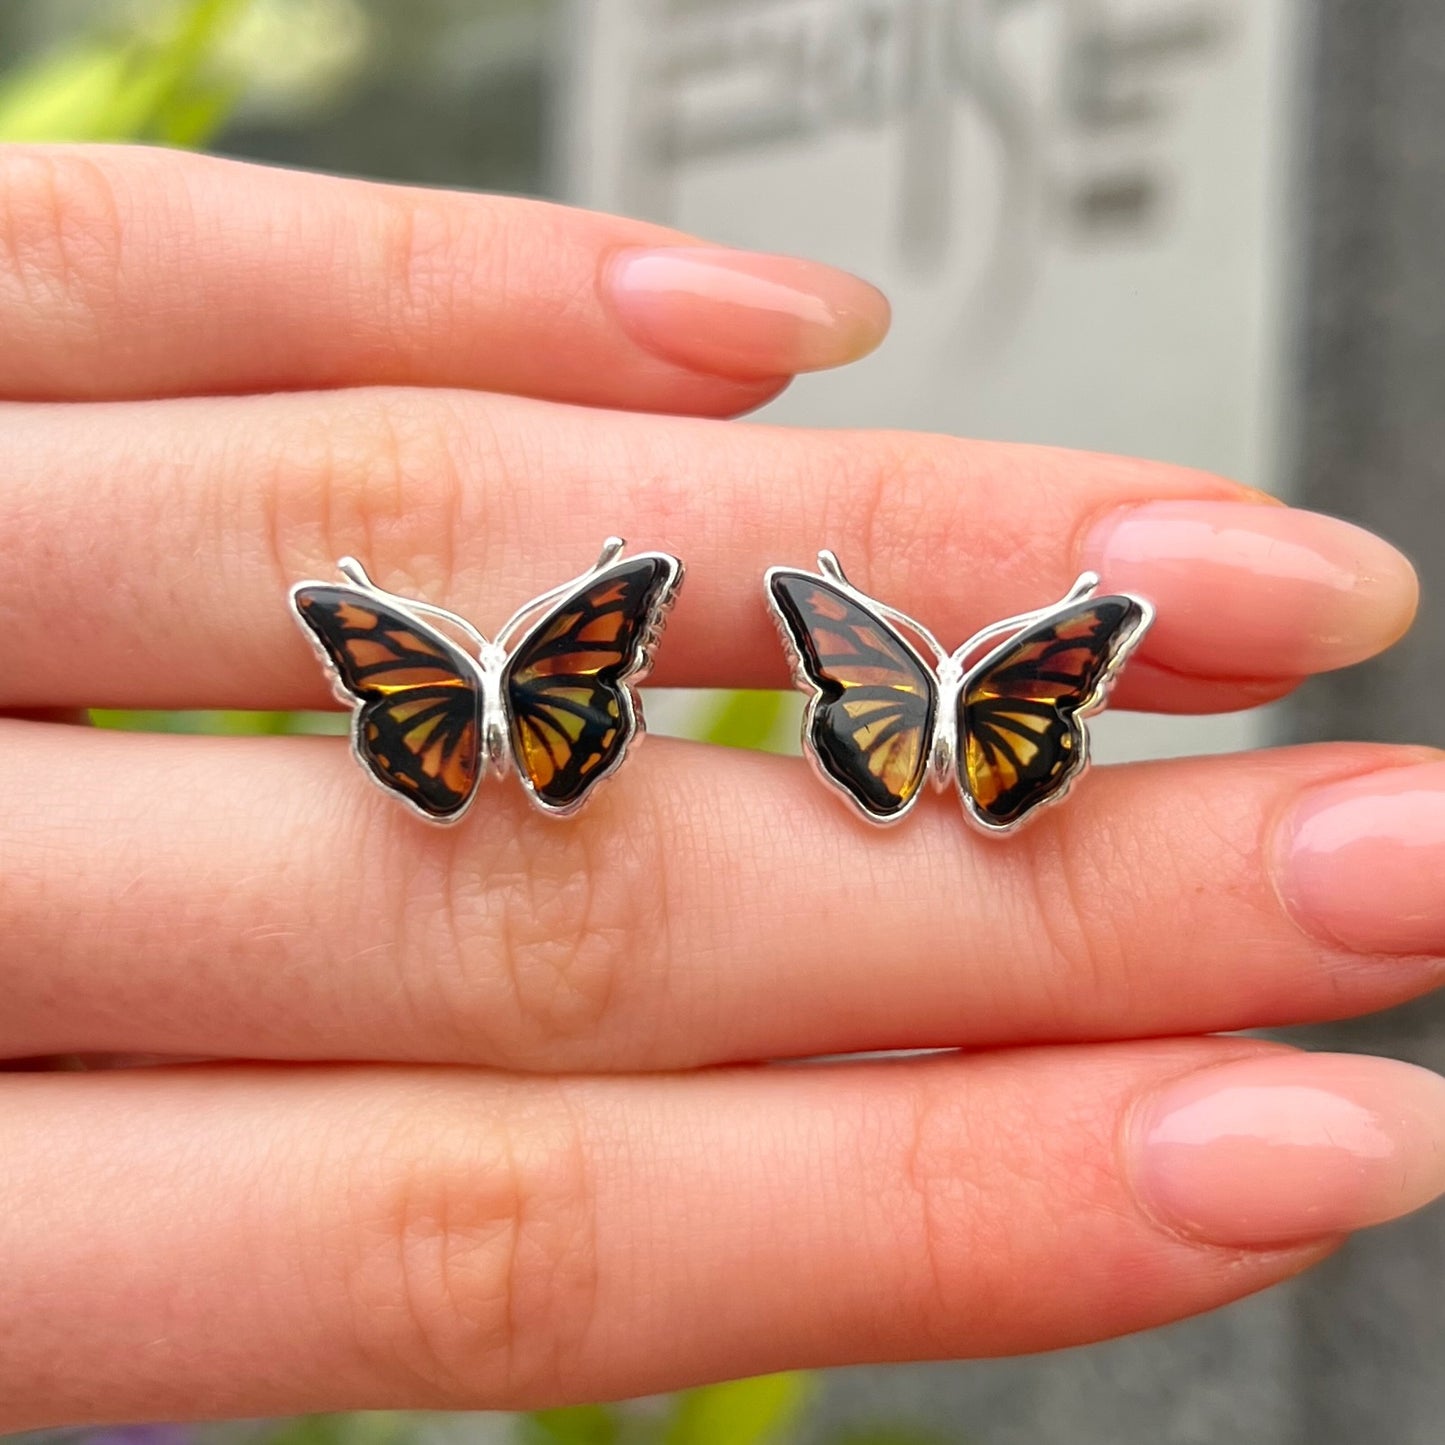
528	1160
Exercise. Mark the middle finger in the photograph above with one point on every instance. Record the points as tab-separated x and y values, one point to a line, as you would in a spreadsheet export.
149	546
257	899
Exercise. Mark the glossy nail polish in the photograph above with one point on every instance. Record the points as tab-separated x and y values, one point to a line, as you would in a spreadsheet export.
1254	591
1361	864
740	314
1290	1147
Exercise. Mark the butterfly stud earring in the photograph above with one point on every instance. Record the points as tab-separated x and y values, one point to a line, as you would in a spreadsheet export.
1002	716
431	716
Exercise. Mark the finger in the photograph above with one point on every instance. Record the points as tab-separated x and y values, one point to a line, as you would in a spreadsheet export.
150	546
256	898
127	272
237	1243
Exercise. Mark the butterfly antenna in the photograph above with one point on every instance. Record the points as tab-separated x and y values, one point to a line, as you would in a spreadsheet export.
830	566
1086	586
611	550
353	571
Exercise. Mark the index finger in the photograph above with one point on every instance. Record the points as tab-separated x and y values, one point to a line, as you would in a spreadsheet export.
127	272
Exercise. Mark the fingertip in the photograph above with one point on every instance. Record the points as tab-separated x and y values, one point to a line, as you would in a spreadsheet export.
1357	861
1256	592
1290	1147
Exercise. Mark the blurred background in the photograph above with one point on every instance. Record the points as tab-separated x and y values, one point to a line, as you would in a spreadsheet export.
1208	231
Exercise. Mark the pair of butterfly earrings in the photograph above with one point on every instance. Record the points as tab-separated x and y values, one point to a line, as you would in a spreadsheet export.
553	694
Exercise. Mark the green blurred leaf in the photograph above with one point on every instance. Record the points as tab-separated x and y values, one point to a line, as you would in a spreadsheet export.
225	724
579	1425
126	89
745	720
189	121
744	1412
373	1427
64	97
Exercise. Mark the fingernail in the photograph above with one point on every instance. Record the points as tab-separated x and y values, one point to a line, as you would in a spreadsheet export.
1290	1147
743	315
1253	591
1361	864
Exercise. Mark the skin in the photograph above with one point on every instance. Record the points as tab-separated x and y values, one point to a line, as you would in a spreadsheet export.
482	1121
